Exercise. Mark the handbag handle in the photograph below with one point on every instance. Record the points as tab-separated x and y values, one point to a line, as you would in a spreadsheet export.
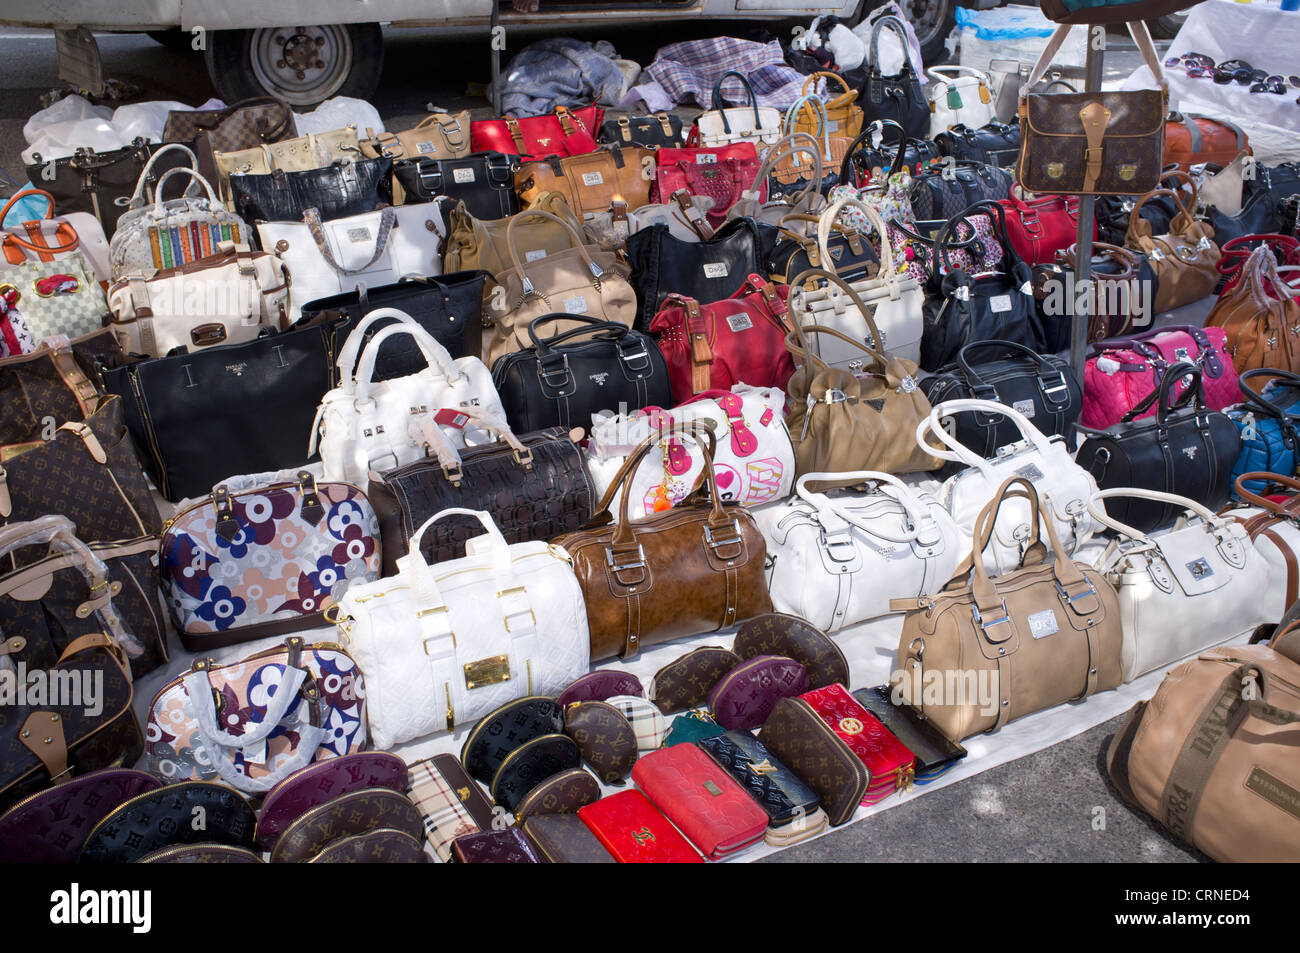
198	685
575	241
220	116
434	353
818	109
1160	396
958	452
1263	502
718	101
747	205
1131	235
875	349
917	515
895	24
946	74
137	197
887	272
975	382
1212	519
311	218
828	76
1137	29
449	457
1257	397
351	350
63	231
874	138
412	564
1122	256
610	330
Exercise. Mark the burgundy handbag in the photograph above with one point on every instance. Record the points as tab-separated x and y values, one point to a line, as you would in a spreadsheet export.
563	133
1041	228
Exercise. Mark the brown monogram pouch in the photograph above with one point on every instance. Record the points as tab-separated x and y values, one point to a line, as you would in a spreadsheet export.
383	845
530	764
354	813
779	633
565	839
686	682
605	737
201	854
561	793
802	741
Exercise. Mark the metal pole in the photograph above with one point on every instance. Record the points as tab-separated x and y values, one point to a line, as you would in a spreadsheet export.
1087	212
494	94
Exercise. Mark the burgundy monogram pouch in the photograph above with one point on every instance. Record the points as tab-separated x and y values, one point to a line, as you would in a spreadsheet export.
748	693
323	781
50	826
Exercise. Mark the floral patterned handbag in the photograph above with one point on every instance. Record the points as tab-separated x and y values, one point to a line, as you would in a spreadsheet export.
262	556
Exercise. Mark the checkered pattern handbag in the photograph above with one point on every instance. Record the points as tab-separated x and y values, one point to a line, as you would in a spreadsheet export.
647	721
450	803
57	297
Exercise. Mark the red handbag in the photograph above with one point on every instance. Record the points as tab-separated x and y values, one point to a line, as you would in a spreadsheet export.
533	138
740	339
891	765
722	173
1041	228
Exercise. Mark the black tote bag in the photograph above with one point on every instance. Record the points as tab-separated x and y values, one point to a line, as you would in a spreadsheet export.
336	191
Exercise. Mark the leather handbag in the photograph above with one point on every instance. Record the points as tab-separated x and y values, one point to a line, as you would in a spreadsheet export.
1043	389
1043	226
565	132
1047	632
337	190
1267	420
778	633
783	795
474	243
1186	449
1065	485
50	298
744	698
321	782
535	486
935	754
1093	143
363	425
724	125
888	761
224	722
437	136
506	846
238	293
344	817
715	345
312	151
1120	374
565	839
650	132
683	213
898	96
1184	261
686	681
165	818
1259	215
790	173
590	183
53	237
994	143
450	804
722	173
1183	591
1120	298
834	557
51	826
600	686
959	95
842	115
947	189
847	253
532	762
244	125
579	280
450	642
634	832
703	559
1260	315
1270	522
1113	212
483	181
605	737
501	731
223	393
1192	140
798	736
230	574
841	420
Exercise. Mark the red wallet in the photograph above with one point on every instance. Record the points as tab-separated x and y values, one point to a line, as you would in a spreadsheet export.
635	832
702	799
891	764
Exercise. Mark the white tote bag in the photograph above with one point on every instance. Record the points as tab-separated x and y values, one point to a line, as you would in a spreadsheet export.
1196	586
373	248
1064	487
959	94
730	124
838	560
450	642
363	425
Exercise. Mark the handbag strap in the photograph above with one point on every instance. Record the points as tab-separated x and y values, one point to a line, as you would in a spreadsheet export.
748	204
435	355
138	199
1160	396
818	109
919	518
887	272
956	451
22	194
829	76
1137	29
387	217
610	330
1263	502
575	240
426	429
895	24
1131	235
193	174
351	350
1055	392
718	102
1121	256
873	136
1212	519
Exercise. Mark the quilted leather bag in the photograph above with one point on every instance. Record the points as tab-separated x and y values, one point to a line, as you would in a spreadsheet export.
946	190
1183	591
264	557
43	299
1043	226
652	132
959	95
1184	261
336	190
244	125
727	125
480	244
253	723
590	183
564	133
451	642
994	143
1260	315
898	97
53	237
834	558
483	181
438	136
312	151
1267	420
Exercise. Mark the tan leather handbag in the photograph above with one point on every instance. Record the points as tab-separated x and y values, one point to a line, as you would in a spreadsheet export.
808	199
440	136
313	151
1185	261
695	568
591	183
581	279
1260	316
860	419
843	116
1214	756
987	650
481	244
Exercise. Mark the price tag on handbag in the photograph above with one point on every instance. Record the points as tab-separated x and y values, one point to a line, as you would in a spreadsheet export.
535	254
717	269
451	418
1000	303
592	178
462	175
705	158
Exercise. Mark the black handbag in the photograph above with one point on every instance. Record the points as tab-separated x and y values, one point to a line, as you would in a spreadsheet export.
1260	215
1111	264
338	190
706	271
899	97
994	143
203	417
661	129
449	307
1044	389
945	190
484	181
1184	448
562	380
852	257
869	151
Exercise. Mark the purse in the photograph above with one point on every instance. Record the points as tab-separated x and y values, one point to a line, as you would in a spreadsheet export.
600	686
949	188
1267	420
590	183
891	766
344	818
778	633
165	818
565	839
1270	523
453	641
1193	140
562	382
959	95
705	558
783	795
338	190
722	174
383	845
790	173
244	125
1260	316
993	143
686	681
1258	215
1093	143
1040	228
802	740
484	182
450	804
505	846
1184	261
634	832
51	826
935	754
847	253
321	782
56	297
1184	591
54	237
840	115
898	97
437	136
565	132
692	727
1185	449
1047	632
312	151
503	730
727	125
744	698
474	244
605	737
533	761
650	132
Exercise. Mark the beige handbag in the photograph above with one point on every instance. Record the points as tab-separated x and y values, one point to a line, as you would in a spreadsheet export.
581	279
313	151
987	650
844	116
440	136
591	183
807	200
479	244
1185	261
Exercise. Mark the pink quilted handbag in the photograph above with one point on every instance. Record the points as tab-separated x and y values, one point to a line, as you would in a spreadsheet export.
1122	371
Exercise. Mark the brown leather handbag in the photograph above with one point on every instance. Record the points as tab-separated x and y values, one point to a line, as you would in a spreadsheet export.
840	420
1185	261
695	568
1260	315
591	183
474	244
843	115
994	649
54	382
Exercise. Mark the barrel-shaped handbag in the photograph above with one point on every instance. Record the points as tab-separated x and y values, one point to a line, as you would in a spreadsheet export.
1267	420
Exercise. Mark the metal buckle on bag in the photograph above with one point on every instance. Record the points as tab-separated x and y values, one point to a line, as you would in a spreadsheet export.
839	541
639	564
1090	591
552	379
834	396
715	543
1061	386
979	621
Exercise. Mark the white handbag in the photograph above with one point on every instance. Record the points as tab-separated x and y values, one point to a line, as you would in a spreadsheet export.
312	151
363	425
1064	487
443	645
806	201
838	560
730	124
53	238
1196	586
959	94
373	248
894	300
753	457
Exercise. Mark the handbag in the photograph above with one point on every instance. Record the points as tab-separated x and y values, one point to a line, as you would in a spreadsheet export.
53	298
727	125
534	486
244	125
1259	214
683	213
240	293
886	188
730	170
1119	298
703	558
437	136
365	425
1260	315
222	394
337	190
579	280
53	237
791	172
312	151
847	254
740	339
1266	419
1193	140
1184	591
1046	632
948	189
377	248
900	96
783	175
451	642
566	379
565	132
842	115
959	95
1186	449
1066	486
484	182
59	380
590	183
254	722
1271	525
1040	228
848	539
480	244
163	826
650	132
1184	261
264	557
994	143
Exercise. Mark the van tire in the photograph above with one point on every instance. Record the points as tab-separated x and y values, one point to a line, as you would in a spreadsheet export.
354	69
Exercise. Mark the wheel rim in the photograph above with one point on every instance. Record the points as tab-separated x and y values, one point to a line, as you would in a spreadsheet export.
301	65
926	17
